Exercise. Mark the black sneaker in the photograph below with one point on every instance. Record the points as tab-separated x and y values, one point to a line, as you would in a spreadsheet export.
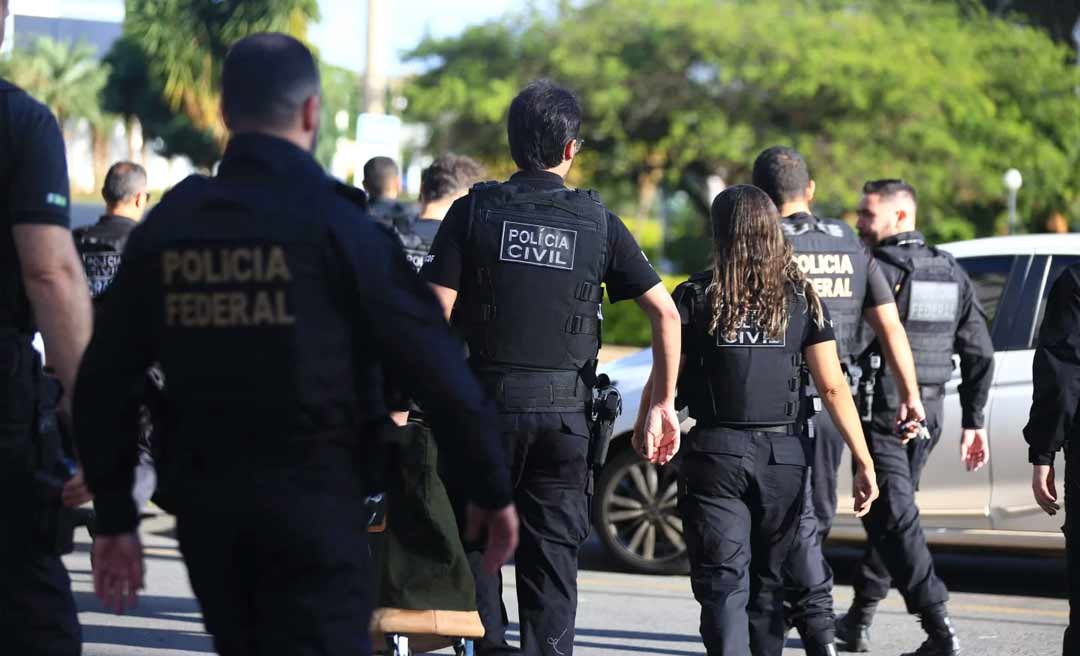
851	636
937	647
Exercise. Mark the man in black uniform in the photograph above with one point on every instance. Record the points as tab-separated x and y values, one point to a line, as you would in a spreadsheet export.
852	286
269	299
382	182
446	180
942	317
525	261
41	288
101	246
1053	425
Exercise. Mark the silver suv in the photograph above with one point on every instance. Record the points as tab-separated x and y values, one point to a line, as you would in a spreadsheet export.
635	513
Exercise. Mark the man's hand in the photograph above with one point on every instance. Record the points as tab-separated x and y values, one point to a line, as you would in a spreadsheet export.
1042	485
974	449
118	570
661	434
910	410
75	492
501	527
865	490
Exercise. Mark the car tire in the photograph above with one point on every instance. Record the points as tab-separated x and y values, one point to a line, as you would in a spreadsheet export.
635	514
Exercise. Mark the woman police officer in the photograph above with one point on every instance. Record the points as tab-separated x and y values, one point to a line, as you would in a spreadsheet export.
752	325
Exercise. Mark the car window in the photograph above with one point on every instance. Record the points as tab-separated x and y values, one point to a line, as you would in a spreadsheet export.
1058	264
989	275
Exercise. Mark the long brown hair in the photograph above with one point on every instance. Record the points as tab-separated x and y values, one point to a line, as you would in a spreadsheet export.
753	265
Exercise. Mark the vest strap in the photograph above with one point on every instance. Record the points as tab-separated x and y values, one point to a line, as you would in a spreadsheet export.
590	293
582	325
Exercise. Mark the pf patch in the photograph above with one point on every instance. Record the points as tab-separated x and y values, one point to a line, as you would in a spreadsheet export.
936	302
526	243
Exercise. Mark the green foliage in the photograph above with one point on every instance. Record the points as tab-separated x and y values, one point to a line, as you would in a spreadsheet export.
184	43
340	91
65	77
947	97
625	324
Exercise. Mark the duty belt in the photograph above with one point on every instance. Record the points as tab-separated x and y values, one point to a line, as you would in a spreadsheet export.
783	429
555	391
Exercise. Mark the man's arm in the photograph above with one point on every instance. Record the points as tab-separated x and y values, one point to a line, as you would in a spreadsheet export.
56	286
885	320
661	422
976	351
446	296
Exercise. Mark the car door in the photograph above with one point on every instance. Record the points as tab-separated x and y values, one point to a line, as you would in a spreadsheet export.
1012	505
949	496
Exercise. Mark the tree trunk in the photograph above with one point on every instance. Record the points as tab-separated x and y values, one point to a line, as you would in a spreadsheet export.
133	132
99	135
649	183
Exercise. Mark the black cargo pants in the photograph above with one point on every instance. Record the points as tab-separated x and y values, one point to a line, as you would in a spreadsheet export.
1072	547
896	549
548	452
37	610
277	553
742	492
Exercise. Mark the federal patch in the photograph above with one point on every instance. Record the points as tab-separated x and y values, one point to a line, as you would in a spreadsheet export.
935	302
526	243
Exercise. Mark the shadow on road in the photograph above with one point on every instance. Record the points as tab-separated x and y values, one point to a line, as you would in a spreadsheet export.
189	637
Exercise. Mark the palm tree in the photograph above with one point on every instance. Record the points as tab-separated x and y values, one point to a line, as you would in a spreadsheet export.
186	42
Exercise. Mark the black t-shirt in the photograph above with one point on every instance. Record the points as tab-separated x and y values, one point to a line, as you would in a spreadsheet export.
33	185
629	274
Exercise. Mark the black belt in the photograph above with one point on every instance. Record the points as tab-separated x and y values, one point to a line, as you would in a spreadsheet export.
553	391
782	429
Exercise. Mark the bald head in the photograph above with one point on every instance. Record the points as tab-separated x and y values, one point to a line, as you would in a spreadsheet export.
887	208
270	84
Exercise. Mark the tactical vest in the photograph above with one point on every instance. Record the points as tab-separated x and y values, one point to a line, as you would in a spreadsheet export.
831	256
753	380
100	255
15	313
530	298
928	297
415	243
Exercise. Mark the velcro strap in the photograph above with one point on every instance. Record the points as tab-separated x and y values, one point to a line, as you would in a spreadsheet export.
558	391
581	325
590	293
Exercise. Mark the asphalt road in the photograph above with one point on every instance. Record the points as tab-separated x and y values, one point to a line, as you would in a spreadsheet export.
1003	605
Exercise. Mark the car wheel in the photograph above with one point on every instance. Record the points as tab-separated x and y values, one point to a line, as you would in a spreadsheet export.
636	517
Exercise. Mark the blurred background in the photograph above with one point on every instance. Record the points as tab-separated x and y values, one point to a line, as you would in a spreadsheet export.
679	97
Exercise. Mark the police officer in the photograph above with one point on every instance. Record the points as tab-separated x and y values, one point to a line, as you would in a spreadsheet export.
750	326
101	246
382	182
447	179
850	283
41	288
268	298
526	261
941	316
1053	425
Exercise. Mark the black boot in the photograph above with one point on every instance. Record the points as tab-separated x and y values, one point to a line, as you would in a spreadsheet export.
815	648
853	629
941	636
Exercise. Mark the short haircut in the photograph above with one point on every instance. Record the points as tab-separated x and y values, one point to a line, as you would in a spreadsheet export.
379	173
448	175
543	118
124	180
265	81
782	173
890	187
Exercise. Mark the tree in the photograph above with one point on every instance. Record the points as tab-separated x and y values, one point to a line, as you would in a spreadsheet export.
673	94
185	43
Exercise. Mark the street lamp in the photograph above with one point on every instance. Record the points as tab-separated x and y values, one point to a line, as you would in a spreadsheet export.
1013	181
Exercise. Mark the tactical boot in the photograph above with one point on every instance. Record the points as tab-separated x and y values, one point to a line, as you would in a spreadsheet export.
852	632
941	636
816	648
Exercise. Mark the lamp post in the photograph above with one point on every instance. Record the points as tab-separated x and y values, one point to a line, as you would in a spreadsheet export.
1013	181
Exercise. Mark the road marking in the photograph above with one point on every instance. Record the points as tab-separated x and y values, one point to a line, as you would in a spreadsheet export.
161	551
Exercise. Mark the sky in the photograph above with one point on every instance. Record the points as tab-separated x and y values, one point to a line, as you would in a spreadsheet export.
340	35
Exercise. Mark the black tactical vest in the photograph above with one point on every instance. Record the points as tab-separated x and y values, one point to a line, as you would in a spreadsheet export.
15	311
530	298
100	247
928	297
751	381
830	255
